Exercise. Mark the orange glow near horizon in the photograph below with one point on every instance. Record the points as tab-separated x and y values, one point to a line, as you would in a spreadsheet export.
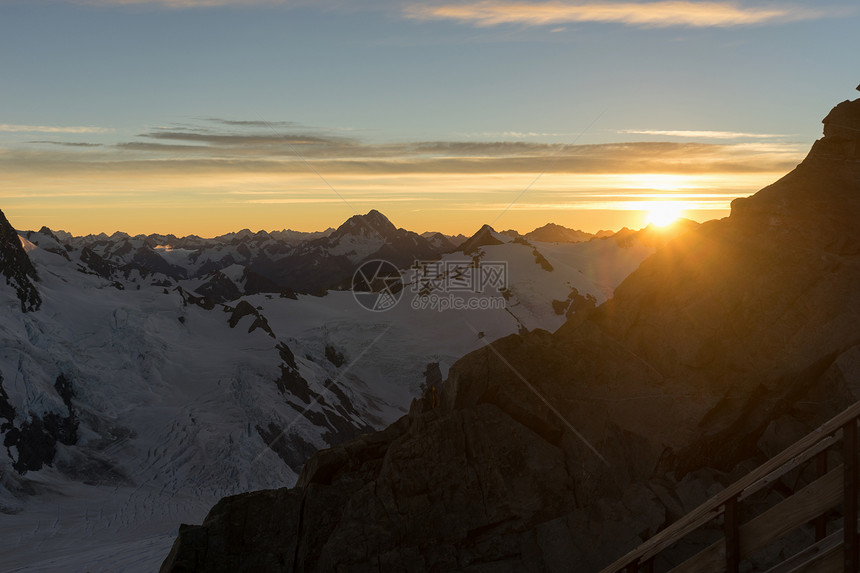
600	188
453	188
210	204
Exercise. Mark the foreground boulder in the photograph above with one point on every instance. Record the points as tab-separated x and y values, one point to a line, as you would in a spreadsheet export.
553	452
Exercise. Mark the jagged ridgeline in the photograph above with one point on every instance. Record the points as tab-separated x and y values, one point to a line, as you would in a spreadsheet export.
559	452
16	267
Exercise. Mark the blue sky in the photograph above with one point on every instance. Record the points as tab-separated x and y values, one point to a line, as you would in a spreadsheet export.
205	117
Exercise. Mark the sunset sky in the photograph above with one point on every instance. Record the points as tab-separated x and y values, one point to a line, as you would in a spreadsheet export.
208	116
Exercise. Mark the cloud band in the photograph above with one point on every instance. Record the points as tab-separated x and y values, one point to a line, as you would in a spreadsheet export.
641	14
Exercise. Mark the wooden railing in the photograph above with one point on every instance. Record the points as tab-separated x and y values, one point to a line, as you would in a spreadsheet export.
839	485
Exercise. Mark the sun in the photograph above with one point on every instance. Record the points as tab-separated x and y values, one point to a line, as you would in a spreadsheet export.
664	213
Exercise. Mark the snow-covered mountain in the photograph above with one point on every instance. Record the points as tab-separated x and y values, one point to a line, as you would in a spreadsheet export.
151	376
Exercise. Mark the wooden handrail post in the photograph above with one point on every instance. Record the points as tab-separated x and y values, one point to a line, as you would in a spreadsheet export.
632	567
849	442
821	520
647	566
731	532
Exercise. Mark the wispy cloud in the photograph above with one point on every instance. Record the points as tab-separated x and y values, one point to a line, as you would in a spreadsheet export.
663	13
183	3
7	127
245	144
702	134
67	143
511	134
252	123
237	139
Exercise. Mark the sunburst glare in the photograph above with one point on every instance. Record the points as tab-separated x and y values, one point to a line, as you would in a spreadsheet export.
664	213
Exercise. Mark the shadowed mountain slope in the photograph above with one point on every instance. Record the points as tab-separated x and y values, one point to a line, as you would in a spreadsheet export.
16	267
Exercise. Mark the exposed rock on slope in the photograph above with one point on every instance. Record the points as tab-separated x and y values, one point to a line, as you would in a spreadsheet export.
552	450
35	437
16	267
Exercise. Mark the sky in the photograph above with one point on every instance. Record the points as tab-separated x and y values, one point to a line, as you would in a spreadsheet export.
209	116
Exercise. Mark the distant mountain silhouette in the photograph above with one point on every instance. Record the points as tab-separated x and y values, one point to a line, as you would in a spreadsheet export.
552	233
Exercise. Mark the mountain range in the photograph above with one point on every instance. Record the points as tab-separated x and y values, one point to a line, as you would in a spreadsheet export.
277	261
143	378
560	450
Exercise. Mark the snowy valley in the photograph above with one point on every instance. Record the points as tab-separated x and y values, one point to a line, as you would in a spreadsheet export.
155	374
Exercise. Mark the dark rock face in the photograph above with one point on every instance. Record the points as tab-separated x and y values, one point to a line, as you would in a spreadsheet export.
35	438
553	452
16	267
574	303
203	302
98	264
147	261
219	288
334	356
243	309
256	283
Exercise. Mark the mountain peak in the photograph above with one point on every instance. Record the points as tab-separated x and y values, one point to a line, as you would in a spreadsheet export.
48	232
379	221
373	222
486	235
16	266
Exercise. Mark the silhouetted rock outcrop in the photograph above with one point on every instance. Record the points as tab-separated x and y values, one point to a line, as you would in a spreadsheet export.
552	452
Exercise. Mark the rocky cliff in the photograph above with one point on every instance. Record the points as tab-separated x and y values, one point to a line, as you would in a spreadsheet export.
16	267
558	452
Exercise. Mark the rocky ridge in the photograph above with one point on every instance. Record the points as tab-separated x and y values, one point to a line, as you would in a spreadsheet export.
17	268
